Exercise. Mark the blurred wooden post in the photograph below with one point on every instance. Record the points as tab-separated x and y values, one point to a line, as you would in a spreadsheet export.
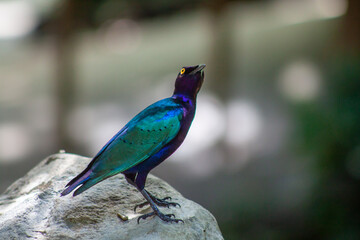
220	52
351	29
220	62
64	71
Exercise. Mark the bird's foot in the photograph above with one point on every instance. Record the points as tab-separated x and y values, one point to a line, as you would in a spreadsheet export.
165	217
163	203
159	202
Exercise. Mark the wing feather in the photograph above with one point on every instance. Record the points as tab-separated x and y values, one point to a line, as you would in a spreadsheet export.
142	137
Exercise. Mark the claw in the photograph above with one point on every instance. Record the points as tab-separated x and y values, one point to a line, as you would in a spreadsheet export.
168	204
164	203
154	202
166	198
145	216
141	205
178	220
160	202
165	217
174	204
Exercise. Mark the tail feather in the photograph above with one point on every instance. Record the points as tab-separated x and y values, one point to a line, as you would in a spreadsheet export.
91	182
86	185
79	179
86	180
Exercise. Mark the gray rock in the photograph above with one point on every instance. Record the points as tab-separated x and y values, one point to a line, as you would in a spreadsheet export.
31	208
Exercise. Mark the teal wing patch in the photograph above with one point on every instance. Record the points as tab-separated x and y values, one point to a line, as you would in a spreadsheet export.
142	137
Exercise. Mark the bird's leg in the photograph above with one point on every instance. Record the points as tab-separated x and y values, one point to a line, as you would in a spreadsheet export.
140	183
158	201
130	178
164	217
162	201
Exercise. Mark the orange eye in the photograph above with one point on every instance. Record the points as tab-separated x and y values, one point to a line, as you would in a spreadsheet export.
182	71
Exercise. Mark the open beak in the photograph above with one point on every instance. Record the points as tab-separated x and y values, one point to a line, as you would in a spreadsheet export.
199	68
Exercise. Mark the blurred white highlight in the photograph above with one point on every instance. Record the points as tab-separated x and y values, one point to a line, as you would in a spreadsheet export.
244	123
300	81
121	36
207	128
331	8
15	142
17	19
293	12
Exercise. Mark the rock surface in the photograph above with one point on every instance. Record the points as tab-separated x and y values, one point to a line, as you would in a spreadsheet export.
31	208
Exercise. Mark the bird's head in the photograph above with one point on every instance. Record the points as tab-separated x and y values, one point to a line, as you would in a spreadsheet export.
189	80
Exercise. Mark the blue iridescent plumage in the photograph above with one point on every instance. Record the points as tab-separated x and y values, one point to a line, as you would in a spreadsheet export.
147	140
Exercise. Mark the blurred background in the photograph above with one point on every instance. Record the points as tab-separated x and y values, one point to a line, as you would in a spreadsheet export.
274	150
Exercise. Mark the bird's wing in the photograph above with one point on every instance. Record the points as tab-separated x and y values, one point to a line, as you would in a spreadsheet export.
142	137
